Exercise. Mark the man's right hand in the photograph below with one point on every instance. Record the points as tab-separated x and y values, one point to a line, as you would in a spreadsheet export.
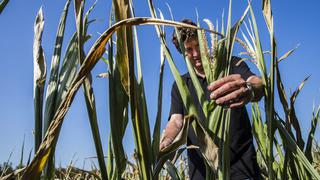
172	129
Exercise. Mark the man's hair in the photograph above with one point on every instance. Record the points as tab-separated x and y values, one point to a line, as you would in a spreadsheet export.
185	33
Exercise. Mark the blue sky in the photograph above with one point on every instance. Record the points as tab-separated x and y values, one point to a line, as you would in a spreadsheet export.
295	23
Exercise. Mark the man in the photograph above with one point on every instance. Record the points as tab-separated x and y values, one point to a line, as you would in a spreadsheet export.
233	91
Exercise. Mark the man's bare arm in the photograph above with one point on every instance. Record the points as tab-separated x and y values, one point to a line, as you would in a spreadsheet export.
172	129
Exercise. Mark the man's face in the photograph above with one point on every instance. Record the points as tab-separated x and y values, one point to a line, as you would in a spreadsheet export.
191	46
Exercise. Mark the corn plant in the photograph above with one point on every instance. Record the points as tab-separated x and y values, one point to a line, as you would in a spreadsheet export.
292	161
60	79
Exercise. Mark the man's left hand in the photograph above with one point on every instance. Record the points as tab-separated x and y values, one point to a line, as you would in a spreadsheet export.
230	91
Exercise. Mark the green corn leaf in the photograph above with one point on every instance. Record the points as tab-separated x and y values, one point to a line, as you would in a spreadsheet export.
281	91
172	170
20	165
79	6
110	165
141	92
290	166
86	22
29	158
296	151
297	91
52	88
281	157
69	68
156	130
292	115
91	108
39	77
258	131
87	86
3	4
118	116
53	80
5	168
314	123
259	52
118	103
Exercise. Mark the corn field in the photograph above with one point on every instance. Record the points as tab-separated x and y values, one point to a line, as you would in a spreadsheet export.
282	151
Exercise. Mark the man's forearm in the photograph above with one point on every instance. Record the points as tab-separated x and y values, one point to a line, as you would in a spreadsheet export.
172	130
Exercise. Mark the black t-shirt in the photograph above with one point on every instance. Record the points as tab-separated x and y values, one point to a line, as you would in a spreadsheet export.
243	160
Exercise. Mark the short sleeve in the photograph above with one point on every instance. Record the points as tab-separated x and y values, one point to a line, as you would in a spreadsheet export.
240	68
176	101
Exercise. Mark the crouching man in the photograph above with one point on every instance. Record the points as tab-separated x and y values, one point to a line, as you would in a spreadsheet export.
234	91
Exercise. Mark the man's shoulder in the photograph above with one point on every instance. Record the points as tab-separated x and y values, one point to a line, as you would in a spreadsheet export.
235	59
185	76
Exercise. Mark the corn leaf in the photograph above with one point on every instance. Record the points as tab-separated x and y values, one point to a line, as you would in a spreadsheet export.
135	90
292	115
87	86
39	76
314	123
258	130
156	130
141	94
110	165
52	88
121	9
287	54
259	53
86	22
281	91
267	82
267	13
54	72
68	69
172	170
296	151
3	4
118	105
